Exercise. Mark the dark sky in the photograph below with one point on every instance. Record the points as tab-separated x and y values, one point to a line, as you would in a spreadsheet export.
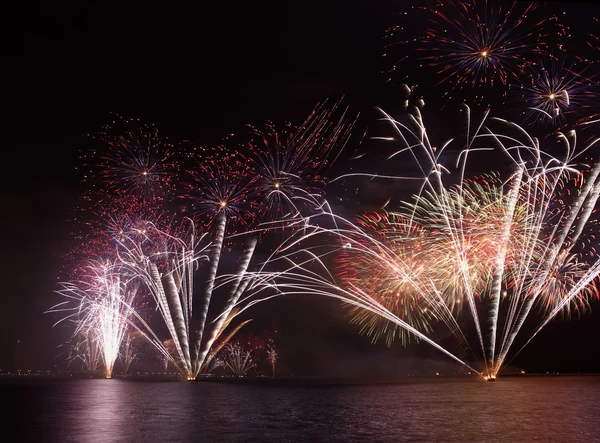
197	71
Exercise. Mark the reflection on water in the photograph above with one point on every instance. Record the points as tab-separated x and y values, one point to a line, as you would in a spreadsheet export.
520	409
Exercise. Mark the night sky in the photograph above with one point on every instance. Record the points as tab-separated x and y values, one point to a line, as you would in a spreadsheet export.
196	72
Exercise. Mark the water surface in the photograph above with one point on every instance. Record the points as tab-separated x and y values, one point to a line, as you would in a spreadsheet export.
513	409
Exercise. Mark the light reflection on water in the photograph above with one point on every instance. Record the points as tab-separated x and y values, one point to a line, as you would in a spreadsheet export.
524	409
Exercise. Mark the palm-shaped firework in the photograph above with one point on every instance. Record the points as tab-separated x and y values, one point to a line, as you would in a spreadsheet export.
493	249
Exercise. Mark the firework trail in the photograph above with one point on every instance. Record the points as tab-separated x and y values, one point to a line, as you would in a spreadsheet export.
472	43
101	307
493	249
169	268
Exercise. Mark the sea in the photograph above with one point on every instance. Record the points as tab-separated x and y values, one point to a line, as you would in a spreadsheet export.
513	409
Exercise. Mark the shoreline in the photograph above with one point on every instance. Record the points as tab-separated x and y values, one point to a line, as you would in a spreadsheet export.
291	381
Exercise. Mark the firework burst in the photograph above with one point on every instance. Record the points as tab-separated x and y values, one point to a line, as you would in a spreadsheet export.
222	184
553	91
289	163
132	158
473	43
355	269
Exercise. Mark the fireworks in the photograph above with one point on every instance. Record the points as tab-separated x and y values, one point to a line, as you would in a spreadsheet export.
224	185
101	307
129	350
554	91
473	43
272	359
493	249
463	246
86	350
108	219
289	163
376	277
280	174
168	266
133	158
238	360
226	194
